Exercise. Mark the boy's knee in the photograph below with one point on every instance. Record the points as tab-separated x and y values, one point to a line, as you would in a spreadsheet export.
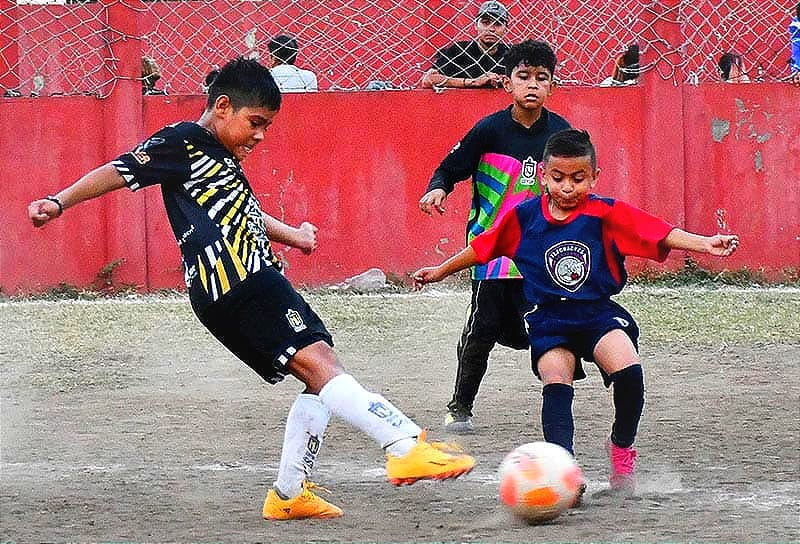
315	365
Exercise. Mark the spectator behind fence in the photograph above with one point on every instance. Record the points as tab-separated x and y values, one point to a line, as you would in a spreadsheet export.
150	74
290	79
626	68
794	36
474	63
731	68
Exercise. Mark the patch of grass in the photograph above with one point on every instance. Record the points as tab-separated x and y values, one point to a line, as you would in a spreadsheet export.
693	274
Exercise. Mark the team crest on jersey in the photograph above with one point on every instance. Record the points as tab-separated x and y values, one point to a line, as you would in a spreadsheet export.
528	174
140	155
568	264
295	320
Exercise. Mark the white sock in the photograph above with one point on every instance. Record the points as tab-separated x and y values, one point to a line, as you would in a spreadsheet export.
305	425
371	413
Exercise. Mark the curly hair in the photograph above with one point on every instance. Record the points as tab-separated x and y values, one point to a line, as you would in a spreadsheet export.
530	53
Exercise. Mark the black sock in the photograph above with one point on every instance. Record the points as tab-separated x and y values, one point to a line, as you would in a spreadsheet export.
558	426
628	404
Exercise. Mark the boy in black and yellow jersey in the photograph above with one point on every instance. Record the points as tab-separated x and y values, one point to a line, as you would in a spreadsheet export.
238	292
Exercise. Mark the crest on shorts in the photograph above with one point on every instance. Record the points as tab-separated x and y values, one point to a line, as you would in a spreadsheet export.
295	320
528	174
568	264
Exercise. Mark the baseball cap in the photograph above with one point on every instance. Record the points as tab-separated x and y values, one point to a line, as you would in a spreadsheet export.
493	9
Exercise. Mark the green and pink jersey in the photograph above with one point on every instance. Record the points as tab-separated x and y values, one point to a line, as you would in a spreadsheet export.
503	159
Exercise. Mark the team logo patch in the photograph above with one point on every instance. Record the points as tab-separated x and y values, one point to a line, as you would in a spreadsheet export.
310	455
622	321
295	320
568	264
528	174
384	412
139	153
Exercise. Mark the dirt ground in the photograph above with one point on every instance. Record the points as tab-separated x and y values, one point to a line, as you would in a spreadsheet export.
126	421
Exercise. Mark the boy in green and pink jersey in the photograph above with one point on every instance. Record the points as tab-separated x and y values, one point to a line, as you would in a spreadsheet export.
501	153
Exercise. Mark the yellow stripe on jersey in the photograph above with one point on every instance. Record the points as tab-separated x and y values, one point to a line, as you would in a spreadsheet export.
191	150
234	210
206	195
224	284
213	170
201	272
238	240
237	262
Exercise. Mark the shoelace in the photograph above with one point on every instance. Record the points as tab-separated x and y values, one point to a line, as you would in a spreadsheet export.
308	486
447	447
444	447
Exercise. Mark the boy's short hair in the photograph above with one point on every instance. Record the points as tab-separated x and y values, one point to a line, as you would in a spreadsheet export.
211	76
570	143
247	83
531	53
284	48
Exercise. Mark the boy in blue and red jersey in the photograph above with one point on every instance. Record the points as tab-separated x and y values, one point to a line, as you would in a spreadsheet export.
570	246
501	153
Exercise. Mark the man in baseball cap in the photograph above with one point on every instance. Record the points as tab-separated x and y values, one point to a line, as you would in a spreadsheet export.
474	63
494	9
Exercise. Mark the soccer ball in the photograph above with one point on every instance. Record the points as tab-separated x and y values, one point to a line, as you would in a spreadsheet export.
539	480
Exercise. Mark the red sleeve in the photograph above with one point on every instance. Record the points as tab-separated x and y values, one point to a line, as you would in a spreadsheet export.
502	240
636	232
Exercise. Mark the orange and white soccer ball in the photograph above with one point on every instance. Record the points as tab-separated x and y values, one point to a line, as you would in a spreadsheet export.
539	480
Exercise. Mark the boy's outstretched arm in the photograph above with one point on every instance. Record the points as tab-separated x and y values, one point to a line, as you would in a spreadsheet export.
720	245
303	237
460	261
99	181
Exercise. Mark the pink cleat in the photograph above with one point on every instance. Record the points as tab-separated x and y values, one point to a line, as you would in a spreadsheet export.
623	462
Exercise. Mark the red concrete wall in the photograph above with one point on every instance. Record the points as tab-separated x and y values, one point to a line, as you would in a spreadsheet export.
743	170
356	164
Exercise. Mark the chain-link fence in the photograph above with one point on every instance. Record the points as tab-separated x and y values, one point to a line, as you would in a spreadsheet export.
56	48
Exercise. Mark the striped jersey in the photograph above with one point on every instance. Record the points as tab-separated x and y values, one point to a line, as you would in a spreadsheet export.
579	258
216	218
503	157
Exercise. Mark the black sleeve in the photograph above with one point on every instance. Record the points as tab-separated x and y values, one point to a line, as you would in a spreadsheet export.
461	162
161	159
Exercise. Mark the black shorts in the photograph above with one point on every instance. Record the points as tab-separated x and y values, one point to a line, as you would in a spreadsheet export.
577	326
497	311
264	322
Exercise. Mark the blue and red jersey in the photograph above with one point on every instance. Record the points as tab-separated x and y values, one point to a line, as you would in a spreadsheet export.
581	257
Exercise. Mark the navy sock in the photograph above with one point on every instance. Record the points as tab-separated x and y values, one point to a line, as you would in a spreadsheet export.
558	426
628	404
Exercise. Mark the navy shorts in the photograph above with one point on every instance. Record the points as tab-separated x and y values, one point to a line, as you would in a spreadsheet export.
264	322
577	326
